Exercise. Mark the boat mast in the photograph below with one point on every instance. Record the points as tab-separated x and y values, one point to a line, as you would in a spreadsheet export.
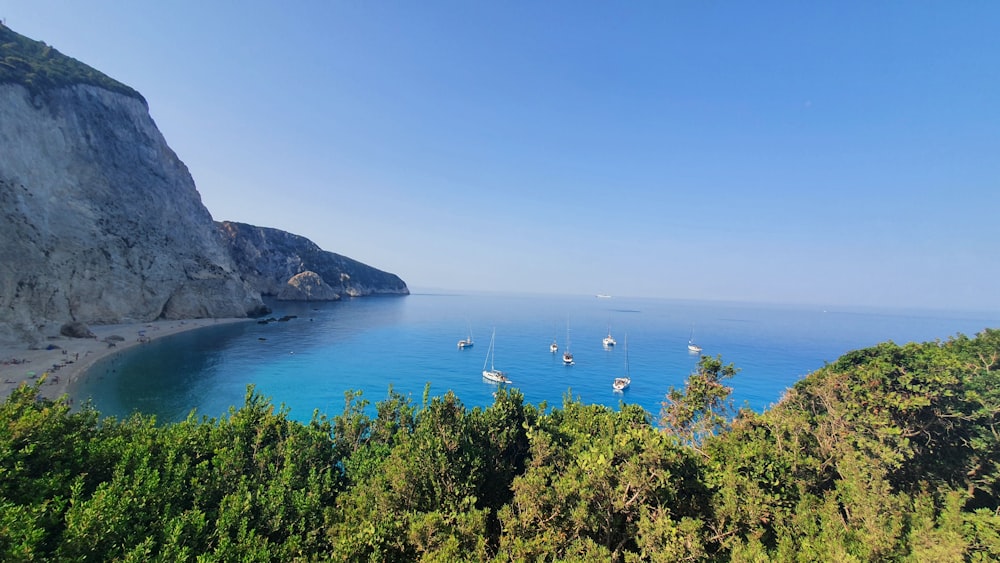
489	352
626	354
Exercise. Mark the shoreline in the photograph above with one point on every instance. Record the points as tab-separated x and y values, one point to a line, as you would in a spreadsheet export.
66	360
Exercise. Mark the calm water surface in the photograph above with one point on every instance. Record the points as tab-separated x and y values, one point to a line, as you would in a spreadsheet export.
408	342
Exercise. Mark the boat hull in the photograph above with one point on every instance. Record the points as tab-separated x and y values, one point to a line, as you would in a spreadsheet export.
495	376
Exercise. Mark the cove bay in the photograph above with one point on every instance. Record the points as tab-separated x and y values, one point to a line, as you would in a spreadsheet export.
409	343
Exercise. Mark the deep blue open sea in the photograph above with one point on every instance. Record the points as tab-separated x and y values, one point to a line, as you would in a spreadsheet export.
373	343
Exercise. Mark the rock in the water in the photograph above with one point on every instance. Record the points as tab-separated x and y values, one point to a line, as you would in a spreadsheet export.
307	286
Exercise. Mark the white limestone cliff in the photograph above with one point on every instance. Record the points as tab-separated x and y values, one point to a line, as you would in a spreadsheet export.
100	222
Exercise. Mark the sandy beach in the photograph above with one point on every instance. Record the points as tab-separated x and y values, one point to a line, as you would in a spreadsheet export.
64	359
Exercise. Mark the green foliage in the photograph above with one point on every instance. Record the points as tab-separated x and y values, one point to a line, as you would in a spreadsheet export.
431	480
77	489
606	480
889	453
703	408
39	68
42	446
926	412
759	472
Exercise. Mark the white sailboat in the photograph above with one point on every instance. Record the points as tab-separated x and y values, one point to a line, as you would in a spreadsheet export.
554	347
692	347
567	355
493	374
622	383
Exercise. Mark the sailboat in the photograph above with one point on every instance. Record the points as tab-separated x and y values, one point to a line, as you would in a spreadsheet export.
467	342
567	355
493	374
692	347
609	341
622	383
554	347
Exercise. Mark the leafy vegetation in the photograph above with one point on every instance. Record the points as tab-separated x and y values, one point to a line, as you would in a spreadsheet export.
890	453
40	68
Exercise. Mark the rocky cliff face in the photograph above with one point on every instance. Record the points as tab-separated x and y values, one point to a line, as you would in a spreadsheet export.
100	221
269	258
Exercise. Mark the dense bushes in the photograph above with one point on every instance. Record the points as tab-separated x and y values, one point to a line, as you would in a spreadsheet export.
889	453
75	488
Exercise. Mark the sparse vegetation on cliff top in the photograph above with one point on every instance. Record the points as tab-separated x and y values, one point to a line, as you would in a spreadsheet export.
39	67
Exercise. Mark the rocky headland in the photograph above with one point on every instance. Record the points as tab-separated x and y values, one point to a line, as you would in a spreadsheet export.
288	266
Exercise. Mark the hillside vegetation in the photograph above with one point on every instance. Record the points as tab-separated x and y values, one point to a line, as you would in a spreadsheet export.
39	68
888	454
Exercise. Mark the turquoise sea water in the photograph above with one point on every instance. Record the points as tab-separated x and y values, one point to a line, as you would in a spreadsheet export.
407	342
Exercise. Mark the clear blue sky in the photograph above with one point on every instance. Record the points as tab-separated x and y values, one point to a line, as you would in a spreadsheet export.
831	153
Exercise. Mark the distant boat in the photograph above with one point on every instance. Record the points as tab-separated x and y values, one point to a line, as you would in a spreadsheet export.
692	347
493	374
622	383
609	341
567	355
603	296
554	347
467	342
